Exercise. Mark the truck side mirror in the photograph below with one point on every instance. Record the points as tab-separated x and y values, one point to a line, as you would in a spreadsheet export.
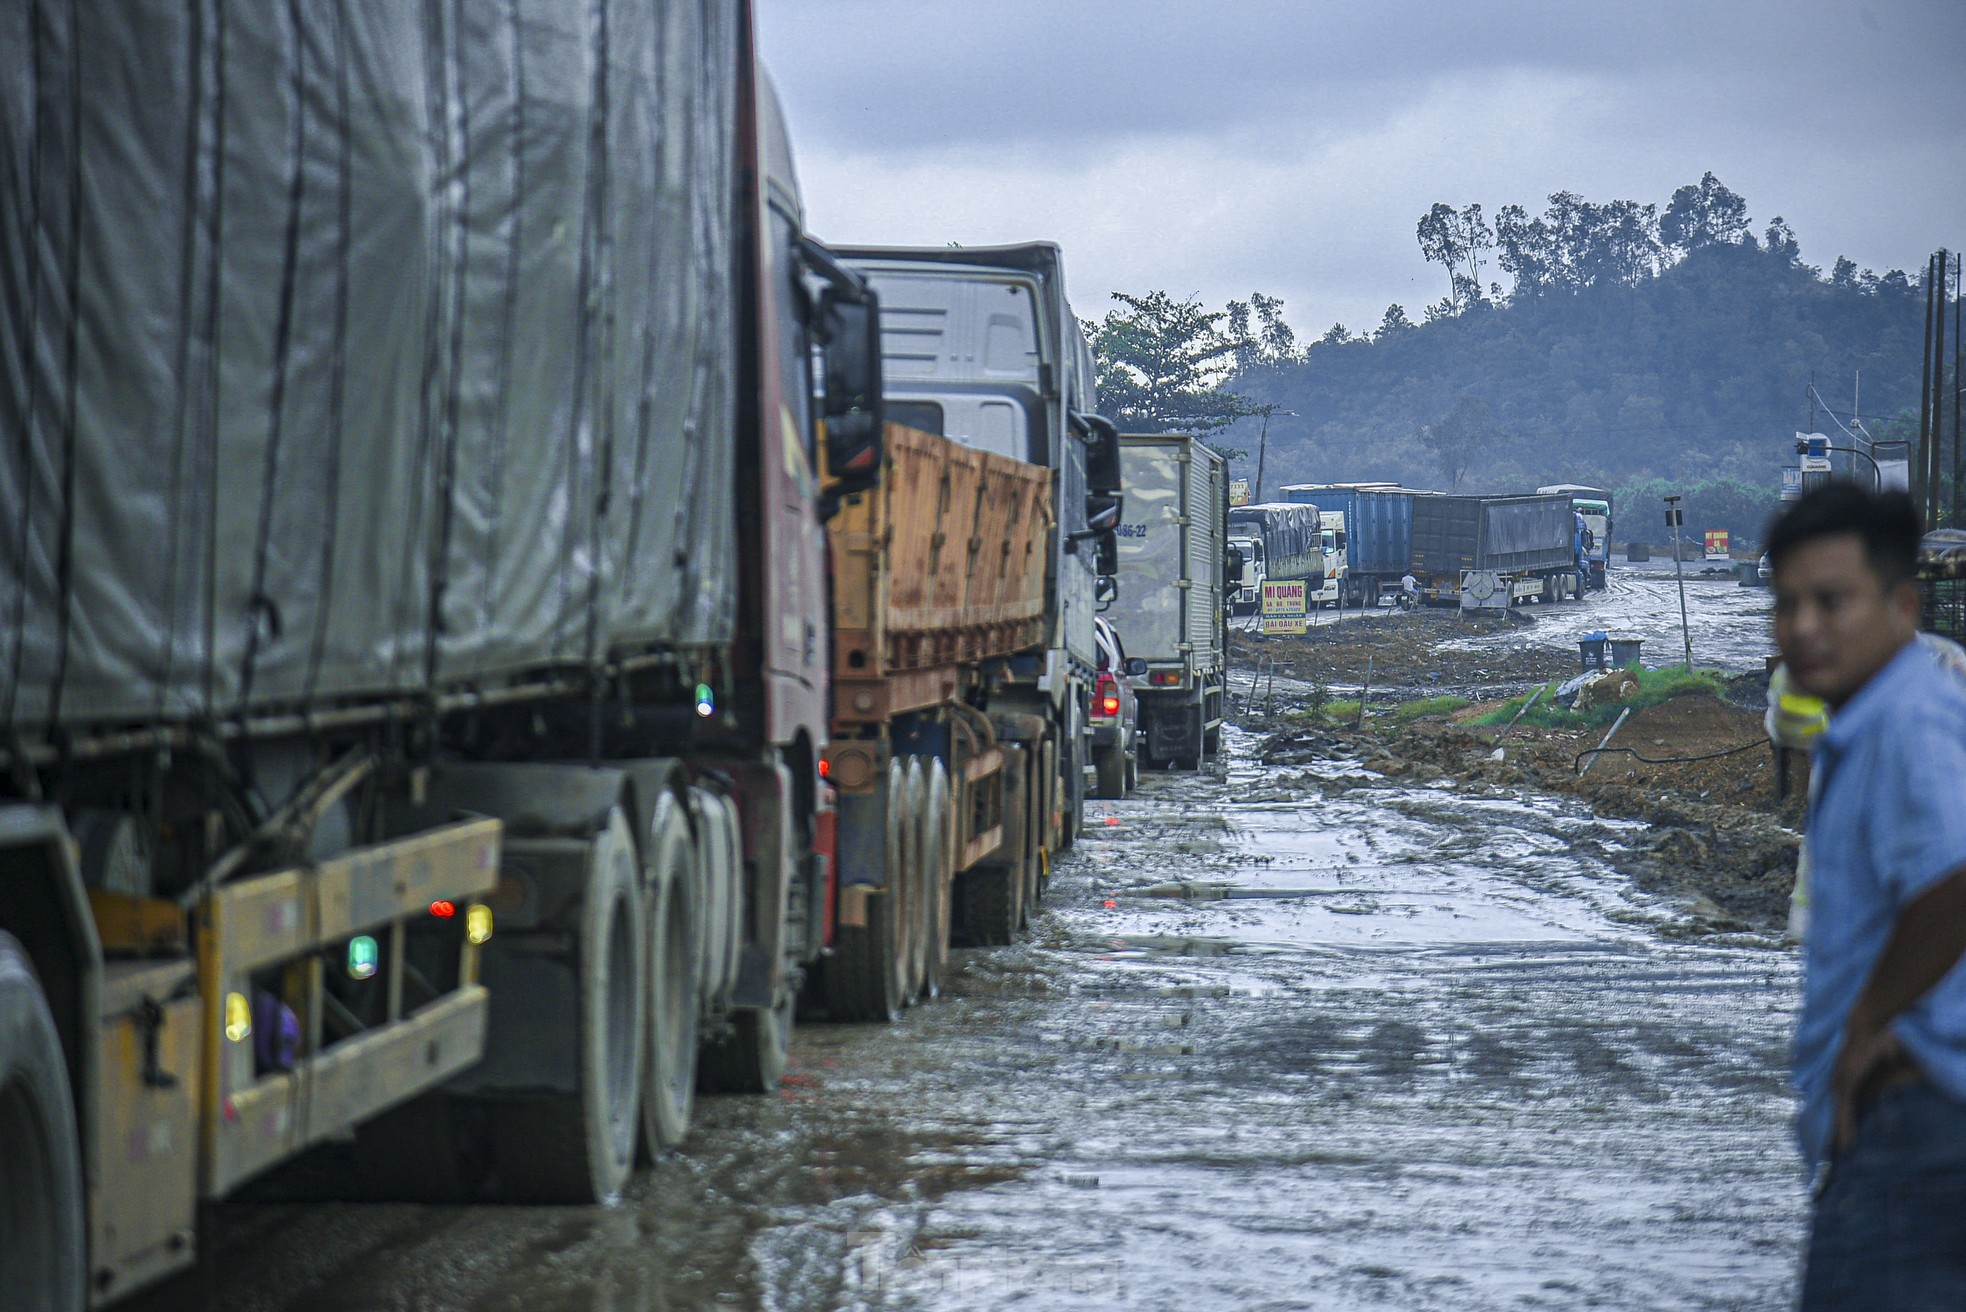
1105	591
851	336
1102	515
1135	667
1106	554
1102	453
846	326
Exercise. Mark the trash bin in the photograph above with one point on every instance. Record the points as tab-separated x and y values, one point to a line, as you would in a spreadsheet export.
1625	652
1750	573
1590	650
1638	552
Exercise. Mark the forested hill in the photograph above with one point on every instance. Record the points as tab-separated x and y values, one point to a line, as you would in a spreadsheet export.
1697	373
1679	348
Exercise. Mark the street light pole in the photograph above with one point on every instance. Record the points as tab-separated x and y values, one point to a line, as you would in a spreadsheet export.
1673	516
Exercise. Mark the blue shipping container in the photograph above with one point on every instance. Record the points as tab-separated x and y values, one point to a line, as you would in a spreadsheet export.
1378	524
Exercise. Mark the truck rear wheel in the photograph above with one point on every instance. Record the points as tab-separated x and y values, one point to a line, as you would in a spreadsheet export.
669	1073
751	1058
920	880
867	975
1112	772
42	1253
936	861
579	1146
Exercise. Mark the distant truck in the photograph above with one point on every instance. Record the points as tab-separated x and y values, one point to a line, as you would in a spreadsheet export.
1487	552
980	345
1172	554
1594	504
1337	571
1378	524
1278	540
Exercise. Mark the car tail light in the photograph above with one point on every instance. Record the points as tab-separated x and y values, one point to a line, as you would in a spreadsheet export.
1165	678
1109	704
1104	697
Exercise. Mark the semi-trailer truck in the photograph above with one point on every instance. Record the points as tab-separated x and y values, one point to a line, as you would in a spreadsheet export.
1174	563
980	345
1277	540
1494	551
1378	533
1594	504
415	672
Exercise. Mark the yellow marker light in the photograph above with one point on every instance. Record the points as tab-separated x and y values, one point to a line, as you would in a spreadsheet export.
477	922
238	1018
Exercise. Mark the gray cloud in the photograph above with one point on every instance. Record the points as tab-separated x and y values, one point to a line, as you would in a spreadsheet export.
1291	147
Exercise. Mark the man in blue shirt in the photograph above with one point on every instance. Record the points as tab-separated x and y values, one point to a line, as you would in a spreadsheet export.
1880	1049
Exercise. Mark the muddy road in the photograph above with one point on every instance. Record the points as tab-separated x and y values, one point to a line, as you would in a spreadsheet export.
1398	1047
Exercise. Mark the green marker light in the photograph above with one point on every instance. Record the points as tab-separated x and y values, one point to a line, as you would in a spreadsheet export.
362	957
706	701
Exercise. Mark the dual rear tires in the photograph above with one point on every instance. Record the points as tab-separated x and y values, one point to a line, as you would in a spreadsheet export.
901	952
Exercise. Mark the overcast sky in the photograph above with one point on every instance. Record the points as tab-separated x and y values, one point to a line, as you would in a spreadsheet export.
1290	146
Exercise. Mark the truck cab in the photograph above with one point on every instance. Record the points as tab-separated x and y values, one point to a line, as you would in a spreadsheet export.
1331	545
1248	599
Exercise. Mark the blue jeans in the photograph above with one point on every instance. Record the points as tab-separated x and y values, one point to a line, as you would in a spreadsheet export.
1890	1226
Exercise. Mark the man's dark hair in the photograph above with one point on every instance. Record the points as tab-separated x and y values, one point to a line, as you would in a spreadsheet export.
1886	522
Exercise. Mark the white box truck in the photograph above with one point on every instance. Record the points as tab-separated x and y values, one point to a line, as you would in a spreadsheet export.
1170	609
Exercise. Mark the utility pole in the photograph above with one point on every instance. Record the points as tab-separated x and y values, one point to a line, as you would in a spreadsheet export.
1673	516
1263	444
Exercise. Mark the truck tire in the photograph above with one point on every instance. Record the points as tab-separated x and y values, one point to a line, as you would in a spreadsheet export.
751	1057
669	1067
43	1256
579	1146
1071	764
937	861
1112	772
866	976
921	882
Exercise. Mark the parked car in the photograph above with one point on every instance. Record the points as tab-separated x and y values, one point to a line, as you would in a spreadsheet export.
1115	714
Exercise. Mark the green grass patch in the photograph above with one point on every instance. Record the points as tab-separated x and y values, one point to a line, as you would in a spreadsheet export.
1654	686
1445	704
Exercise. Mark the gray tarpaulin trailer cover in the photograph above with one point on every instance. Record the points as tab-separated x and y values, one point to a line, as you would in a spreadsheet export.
354	351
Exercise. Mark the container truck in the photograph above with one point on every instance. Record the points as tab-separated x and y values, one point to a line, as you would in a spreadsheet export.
1278	540
415	668
1378	533
1173	556
939	762
1494	551
980	345
1594	504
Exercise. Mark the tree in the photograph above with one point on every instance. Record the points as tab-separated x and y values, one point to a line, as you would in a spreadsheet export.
1455	241
1461	437
1162	365
1337	335
1704	214
1260	333
1393	324
1779	241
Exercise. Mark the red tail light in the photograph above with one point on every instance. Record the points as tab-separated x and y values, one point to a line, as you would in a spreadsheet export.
1105	697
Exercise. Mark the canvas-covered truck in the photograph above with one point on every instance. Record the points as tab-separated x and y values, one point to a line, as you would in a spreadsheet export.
1173	556
938	588
1594	504
1277	540
414	671
980	345
1483	552
1378	533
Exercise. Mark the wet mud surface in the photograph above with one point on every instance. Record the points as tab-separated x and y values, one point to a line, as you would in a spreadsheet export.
1269	1045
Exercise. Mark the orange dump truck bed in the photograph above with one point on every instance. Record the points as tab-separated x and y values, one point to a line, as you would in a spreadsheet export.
940	567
